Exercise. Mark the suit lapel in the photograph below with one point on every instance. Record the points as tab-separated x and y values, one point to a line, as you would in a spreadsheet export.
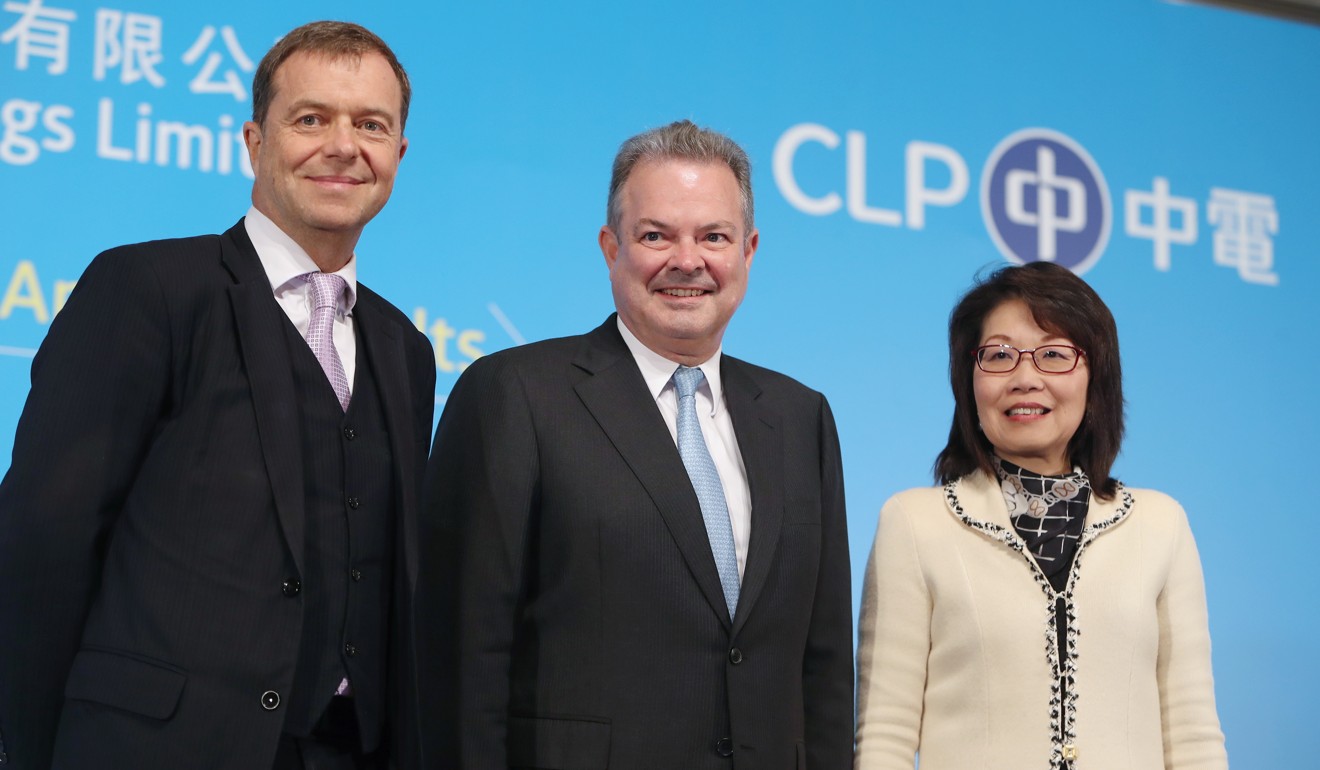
983	503
384	349
266	358
617	397
761	444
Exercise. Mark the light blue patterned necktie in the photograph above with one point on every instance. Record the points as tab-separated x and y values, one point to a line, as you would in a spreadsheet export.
706	482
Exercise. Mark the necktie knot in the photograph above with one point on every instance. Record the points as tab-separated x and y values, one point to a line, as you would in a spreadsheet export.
327	288
687	379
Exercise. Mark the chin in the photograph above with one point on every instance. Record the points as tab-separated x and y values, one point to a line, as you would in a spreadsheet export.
685	333
337	221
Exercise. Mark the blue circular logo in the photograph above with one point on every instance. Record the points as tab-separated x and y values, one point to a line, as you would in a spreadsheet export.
1044	199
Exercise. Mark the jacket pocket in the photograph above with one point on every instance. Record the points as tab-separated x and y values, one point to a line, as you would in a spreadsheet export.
550	743
144	687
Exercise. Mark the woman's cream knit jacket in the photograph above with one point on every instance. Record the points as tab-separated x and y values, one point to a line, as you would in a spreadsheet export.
957	657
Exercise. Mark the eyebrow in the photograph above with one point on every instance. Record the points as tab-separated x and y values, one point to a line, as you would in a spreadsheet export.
1047	340
377	112
647	222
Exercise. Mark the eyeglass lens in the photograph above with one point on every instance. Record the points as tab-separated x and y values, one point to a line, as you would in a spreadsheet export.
1054	359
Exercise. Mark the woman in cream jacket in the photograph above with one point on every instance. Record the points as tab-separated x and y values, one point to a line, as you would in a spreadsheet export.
1034	612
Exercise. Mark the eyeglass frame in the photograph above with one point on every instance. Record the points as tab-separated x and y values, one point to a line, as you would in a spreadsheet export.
976	356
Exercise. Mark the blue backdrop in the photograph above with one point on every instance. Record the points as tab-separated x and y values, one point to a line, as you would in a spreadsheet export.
1166	151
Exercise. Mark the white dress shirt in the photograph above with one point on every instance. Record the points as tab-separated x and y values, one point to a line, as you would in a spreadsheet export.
716	429
285	263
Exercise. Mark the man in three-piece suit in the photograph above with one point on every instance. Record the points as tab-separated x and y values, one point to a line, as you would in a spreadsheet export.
640	557
208	533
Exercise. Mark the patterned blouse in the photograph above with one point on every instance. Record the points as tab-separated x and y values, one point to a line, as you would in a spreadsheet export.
1048	513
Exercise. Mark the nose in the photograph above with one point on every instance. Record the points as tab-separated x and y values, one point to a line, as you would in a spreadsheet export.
1026	376
686	256
341	141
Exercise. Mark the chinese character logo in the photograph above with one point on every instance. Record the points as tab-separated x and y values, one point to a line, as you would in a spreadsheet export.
205	82
130	41
41	33
1044	200
1246	221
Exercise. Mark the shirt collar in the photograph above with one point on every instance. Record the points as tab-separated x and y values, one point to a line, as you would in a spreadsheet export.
285	262
658	371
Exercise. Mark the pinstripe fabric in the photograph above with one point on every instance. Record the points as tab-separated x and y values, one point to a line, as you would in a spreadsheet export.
152	523
574	614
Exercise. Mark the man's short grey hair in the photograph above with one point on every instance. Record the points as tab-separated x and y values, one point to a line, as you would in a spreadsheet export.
681	140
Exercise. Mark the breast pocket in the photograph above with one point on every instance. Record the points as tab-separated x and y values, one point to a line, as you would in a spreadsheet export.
151	689
802	510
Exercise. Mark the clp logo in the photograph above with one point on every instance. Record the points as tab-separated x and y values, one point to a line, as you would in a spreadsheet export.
1044	200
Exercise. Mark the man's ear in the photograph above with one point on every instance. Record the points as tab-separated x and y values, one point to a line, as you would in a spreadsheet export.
252	138
609	245
749	248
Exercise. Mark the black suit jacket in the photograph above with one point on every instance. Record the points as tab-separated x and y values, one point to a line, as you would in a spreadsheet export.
576	619
154	512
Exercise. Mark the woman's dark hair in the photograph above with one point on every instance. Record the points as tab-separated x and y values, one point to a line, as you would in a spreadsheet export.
1062	304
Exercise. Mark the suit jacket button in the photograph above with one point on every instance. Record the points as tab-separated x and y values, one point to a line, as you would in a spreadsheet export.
735	656
292	588
350	434
270	700
354	503
350	650
724	747
356	574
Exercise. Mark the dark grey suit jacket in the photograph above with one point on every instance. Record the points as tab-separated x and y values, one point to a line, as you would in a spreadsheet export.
574	615
154	512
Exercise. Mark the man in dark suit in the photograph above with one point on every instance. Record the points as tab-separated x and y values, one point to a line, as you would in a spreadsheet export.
641	553
207	534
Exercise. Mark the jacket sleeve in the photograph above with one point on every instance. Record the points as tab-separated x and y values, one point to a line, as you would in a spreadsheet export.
827	670
99	385
481	492
1192	737
893	646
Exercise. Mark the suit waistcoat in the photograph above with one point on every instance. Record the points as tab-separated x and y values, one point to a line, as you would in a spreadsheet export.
348	548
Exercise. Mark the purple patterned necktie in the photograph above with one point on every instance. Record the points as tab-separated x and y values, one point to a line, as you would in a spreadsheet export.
327	288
